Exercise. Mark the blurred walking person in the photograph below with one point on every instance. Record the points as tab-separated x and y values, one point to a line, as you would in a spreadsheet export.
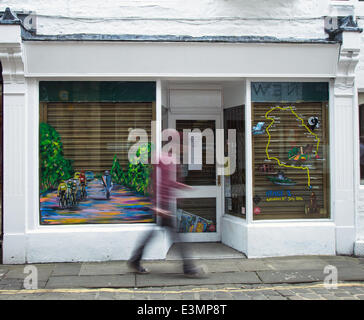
164	188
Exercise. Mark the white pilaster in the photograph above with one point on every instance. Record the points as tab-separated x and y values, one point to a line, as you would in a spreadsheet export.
344	143
11	57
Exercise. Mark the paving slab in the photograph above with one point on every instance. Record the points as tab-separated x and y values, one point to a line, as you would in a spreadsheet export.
155	280
67	269
350	274
340	259
163	266
225	265
253	265
43	271
103	268
285	258
290	276
15	273
297	264
3	271
112	281
11	284
176	266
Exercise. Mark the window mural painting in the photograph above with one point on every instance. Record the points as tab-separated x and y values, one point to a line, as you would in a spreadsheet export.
290	145
85	173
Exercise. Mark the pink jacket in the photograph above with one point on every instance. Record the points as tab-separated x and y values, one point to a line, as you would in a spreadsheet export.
165	184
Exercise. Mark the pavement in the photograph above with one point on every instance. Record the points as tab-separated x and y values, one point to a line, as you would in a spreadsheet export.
230	276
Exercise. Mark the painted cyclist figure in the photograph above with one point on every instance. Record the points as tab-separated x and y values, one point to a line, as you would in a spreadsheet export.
61	193
106	180
82	180
75	190
70	192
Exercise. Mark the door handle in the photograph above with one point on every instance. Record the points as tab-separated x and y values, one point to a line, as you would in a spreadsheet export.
219	180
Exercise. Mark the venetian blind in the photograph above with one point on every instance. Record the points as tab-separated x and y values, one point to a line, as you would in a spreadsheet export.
93	133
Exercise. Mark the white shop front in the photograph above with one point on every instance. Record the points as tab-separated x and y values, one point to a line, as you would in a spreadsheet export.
291	193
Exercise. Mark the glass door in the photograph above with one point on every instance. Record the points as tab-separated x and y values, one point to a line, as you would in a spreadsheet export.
198	209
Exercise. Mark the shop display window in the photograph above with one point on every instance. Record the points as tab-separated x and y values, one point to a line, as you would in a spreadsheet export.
290	150
234	184
85	176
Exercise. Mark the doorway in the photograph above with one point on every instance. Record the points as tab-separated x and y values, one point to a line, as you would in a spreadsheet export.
198	209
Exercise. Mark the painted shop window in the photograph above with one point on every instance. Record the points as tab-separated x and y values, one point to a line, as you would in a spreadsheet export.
290	145
85	173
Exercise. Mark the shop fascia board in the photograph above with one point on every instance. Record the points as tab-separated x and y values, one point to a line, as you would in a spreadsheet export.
179	60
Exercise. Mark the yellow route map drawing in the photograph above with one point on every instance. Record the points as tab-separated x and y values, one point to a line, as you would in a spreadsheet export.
301	167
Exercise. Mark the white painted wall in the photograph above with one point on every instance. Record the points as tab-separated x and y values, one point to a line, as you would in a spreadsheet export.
290	238
279	18
235	233
25	240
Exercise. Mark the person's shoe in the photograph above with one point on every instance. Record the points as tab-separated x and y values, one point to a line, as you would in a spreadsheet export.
136	267
195	272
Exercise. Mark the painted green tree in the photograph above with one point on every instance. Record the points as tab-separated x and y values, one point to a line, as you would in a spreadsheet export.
137	175
141	171
52	163
117	173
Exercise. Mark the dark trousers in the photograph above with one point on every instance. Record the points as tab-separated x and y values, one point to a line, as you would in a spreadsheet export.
169	225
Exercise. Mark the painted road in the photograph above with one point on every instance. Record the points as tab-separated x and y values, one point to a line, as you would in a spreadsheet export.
124	206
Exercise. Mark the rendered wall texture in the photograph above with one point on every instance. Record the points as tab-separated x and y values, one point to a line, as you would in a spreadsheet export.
278	18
